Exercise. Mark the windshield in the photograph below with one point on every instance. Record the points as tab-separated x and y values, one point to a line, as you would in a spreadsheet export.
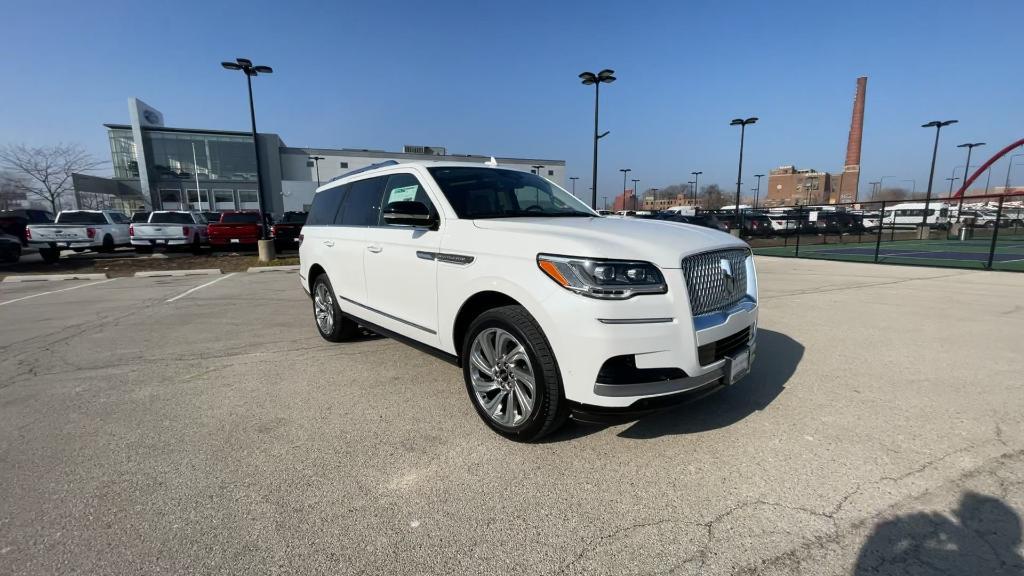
240	218
170	218
81	218
496	193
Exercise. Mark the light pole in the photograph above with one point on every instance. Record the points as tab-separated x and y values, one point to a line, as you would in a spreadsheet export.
913	186
1006	186
696	181
937	124
316	162
536	168
605	76
742	123
574	179
880	181
247	68
635	189
693	186
875	188
951	180
625	174
967	167
757	191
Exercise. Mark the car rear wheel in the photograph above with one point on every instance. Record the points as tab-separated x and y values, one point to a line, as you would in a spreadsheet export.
330	323
108	244
49	255
511	375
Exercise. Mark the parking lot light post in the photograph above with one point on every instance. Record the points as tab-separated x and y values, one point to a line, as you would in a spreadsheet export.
635	189
693	186
937	124
757	190
605	76
316	162
742	123
625	174
967	167
573	179
951	180
874	188
696	184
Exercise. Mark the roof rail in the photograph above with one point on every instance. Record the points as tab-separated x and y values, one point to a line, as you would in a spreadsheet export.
365	169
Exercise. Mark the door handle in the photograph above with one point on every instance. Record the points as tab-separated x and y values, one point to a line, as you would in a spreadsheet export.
374	248
329	243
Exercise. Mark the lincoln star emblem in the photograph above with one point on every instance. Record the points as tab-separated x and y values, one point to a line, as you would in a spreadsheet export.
727	276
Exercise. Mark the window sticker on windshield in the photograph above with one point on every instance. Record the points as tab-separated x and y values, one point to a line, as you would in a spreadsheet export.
403	194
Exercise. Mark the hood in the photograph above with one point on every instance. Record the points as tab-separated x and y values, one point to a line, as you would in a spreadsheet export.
660	242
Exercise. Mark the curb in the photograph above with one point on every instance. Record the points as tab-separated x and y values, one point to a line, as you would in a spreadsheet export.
53	277
257	269
196	272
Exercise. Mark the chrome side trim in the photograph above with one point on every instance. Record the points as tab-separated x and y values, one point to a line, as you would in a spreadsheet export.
634	320
386	315
717	318
459	259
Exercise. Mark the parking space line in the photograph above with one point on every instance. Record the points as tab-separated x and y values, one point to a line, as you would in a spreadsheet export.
200	287
55	291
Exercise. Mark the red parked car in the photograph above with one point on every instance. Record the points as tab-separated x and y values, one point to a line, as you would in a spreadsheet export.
235	229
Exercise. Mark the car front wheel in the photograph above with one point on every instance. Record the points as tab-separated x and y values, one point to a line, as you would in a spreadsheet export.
330	323
511	375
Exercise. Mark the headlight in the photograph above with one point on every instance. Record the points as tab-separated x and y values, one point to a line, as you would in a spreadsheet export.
606	279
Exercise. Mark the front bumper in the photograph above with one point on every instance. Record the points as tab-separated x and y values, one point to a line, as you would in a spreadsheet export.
660	335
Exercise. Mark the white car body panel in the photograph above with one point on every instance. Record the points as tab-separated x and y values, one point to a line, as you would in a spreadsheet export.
170	234
71	235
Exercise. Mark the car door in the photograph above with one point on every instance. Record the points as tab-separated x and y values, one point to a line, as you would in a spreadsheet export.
401	267
347	244
318	234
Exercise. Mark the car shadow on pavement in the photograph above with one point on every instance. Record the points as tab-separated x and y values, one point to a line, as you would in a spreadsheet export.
981	536
777	358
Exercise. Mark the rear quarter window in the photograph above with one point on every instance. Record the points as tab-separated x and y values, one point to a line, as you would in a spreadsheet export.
325	206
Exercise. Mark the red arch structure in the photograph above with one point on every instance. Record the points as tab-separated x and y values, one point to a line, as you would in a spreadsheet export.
985	166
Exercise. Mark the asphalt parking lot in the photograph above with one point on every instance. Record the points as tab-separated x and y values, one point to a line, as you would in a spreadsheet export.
167	426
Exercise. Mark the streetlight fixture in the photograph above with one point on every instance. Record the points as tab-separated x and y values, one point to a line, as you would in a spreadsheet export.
316	162
635	189
937	124
742	123
247	68
625	174
696	180
951	180
757	191
536	168
574	179
605	76
875	188
967	167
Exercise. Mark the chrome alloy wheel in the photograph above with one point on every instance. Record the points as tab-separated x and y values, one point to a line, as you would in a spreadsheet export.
502	377
323	308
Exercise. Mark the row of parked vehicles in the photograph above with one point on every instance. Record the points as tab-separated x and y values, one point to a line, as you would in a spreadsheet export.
28	231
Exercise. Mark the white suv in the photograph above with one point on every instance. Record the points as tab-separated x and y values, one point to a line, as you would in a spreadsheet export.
547	306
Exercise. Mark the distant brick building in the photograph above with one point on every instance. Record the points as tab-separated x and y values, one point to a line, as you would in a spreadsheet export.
788	185
651	203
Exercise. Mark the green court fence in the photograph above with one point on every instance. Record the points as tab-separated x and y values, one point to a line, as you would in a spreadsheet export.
977	232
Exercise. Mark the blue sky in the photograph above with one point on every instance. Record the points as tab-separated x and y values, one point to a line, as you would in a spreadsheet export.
500	78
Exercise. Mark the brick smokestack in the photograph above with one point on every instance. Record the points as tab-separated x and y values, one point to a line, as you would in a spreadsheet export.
856	124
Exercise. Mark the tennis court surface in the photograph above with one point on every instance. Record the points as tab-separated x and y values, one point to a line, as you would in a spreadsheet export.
1008	254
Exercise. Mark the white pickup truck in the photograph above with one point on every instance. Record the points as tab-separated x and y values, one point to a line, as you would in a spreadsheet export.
170	228
100	230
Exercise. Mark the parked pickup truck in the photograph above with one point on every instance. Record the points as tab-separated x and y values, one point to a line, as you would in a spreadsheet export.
286	232
14	231
235	228
100	230
170	228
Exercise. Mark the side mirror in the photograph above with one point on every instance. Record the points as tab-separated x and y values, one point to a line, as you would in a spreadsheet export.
409	213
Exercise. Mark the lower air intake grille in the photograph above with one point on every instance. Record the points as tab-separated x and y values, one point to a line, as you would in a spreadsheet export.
715	351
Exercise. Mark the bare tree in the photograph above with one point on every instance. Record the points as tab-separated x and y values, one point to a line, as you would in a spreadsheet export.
45	171
713	197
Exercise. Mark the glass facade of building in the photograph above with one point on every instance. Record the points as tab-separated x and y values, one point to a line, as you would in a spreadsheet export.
123	154
180	155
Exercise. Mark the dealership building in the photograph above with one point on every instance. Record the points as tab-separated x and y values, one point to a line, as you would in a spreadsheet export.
157	167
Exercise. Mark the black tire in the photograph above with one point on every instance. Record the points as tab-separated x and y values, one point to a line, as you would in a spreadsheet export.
550	408
108	244
49	255
197	247
143	249
340	328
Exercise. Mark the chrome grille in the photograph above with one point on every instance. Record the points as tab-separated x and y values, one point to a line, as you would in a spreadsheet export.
707	282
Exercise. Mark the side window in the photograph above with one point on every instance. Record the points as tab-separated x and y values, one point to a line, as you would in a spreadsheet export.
405	188
361	206
325	206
